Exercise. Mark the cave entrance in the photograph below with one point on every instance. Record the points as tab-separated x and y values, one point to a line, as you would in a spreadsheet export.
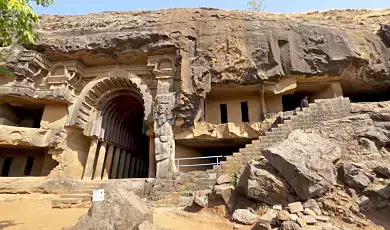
121	148
292	101
369	96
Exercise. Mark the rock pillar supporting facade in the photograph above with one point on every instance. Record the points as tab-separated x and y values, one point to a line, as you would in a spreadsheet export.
152	160
263	106
121	164
127	165
115	163
100	161
164	141
88	170
109	159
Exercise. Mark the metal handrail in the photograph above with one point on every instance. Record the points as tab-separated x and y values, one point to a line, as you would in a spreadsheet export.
195	158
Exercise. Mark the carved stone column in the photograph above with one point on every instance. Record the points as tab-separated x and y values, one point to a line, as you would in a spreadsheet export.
164	142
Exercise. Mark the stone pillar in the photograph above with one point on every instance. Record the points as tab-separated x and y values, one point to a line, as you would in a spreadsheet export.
37	166
127	165
1	163
132	166
263	106
88	170
109	159
48	163
17	166
100	161
122	162
164	141
115	163
152	158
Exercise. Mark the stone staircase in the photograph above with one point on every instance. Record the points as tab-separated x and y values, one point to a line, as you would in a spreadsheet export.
317	112
81	197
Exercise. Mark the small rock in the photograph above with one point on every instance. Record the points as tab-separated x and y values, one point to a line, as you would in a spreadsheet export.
313	205
309	219
293	217
363	200
322	218
382	171
283	215
244	216
300	214
290	225
354	176
269	217
301	222
201	198
236	226
277	207
381	190
223	179
262	226
309	212
351	192
348	220
295	207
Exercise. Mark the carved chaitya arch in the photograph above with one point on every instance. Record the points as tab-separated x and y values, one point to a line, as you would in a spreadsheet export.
84	110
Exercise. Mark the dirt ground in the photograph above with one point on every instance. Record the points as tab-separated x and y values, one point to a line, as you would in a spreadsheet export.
31	212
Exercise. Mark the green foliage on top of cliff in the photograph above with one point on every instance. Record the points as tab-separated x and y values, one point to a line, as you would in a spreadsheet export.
17	24
17	21
256	5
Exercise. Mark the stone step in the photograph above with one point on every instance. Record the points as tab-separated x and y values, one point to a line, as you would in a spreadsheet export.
82	191
66	201
86	204
78	195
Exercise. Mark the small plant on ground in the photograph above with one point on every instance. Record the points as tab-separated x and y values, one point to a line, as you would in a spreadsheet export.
233	179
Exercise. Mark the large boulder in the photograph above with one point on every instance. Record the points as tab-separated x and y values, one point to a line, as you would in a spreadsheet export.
354	176
121	209
306	162
260	181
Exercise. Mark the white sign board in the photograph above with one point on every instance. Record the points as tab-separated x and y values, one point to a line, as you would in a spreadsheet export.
98	195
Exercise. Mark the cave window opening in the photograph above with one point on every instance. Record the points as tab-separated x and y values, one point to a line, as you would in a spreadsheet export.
244	111
223	112
6	166
29	116
29	165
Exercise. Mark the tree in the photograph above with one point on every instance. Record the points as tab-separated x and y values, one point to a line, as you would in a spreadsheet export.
256	5
17	23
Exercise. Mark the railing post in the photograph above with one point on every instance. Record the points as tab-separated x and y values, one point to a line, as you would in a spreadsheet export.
217	160
178	165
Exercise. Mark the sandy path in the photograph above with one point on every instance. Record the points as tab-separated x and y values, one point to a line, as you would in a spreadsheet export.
180	220
26	212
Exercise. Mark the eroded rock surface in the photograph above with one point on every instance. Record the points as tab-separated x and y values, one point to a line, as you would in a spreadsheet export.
120	209
260	181
297	158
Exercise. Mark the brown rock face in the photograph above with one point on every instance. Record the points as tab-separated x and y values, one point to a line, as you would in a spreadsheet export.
216	46
227	46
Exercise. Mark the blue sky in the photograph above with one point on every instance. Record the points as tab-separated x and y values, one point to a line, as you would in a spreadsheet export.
275	6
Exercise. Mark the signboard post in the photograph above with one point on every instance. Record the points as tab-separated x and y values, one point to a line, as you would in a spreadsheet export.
98	195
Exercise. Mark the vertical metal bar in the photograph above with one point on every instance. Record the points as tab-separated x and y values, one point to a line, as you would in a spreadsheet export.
217	160
178	165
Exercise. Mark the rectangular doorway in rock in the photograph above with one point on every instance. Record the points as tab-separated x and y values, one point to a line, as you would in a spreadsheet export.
24	162
203	154
293	101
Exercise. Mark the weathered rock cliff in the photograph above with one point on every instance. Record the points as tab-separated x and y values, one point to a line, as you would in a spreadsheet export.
216	46
231	46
